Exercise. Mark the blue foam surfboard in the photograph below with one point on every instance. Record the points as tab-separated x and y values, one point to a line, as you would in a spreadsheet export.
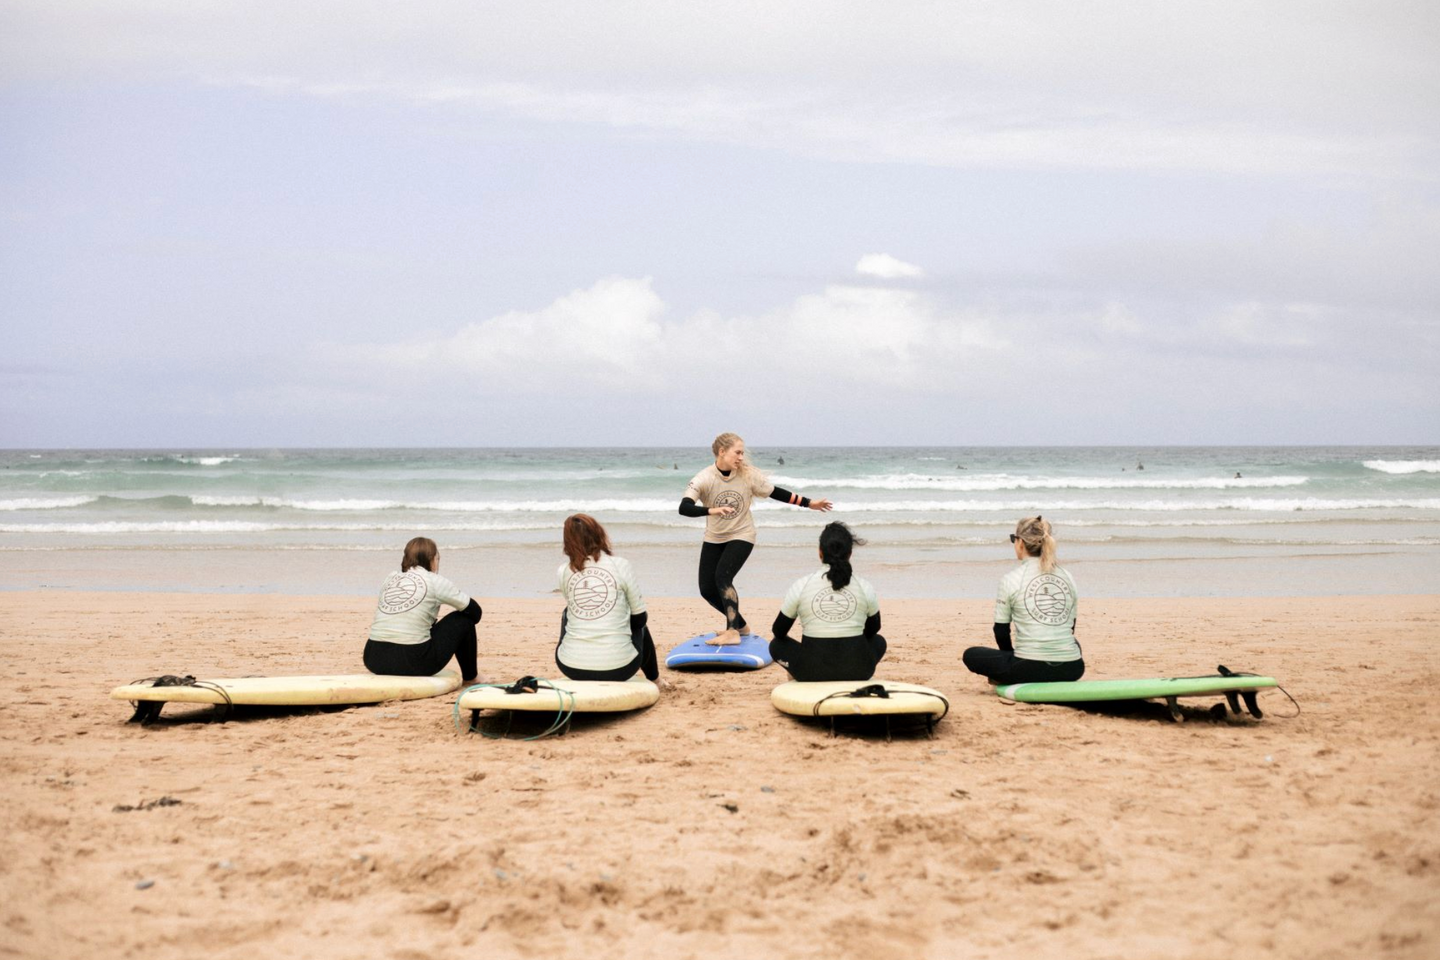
751	653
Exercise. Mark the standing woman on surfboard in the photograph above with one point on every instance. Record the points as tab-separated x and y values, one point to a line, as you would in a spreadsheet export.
1039	600
721	493
603	632
839	617
405	639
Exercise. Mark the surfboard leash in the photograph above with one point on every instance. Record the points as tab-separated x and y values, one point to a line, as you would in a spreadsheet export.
564	710
174	680
879	691
1225	671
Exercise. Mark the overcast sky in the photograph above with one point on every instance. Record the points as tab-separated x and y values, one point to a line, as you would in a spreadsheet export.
589	223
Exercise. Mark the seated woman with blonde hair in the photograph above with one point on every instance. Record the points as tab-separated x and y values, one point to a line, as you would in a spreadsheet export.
603	632
1039	599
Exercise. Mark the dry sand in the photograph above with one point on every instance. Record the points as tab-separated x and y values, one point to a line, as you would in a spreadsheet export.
710	825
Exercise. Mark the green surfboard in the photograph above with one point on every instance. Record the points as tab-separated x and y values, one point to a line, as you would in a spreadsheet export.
1231	686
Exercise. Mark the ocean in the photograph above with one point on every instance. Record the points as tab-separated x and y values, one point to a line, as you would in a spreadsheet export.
1131	521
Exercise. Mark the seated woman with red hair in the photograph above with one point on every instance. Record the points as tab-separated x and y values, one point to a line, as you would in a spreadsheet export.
603	632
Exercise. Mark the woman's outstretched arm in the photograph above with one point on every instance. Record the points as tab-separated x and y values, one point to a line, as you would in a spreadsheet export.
794	499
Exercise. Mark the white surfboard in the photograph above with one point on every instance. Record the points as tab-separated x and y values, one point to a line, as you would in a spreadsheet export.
845	698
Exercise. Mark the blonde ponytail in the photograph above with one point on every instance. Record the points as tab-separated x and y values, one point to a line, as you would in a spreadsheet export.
1035	533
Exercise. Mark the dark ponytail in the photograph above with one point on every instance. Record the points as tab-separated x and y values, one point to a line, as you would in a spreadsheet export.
836	542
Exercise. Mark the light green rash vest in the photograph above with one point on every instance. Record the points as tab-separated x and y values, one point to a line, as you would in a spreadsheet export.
1042	607
409	603
824	611
598	602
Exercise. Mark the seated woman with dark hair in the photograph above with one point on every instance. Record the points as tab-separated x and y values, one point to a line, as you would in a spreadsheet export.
839	618
405	638
603	632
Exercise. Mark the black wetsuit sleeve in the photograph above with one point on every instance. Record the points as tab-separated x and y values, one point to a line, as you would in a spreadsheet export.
689	508
1002	636
872	624
638	620
473	611
781	627
785	496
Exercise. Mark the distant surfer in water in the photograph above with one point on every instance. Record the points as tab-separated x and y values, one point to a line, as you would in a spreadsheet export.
721	493
1039	599
405	638
839	617
603	631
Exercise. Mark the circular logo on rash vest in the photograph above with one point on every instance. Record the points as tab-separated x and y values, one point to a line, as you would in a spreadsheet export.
732	499
833	606
401	592
1047	598
593	593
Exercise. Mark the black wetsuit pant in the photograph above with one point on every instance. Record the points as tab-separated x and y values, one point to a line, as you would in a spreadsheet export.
1002	666
719	563
829	658
645	659
453	635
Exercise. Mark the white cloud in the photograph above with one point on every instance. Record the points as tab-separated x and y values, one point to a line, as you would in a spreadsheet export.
886	267
614	336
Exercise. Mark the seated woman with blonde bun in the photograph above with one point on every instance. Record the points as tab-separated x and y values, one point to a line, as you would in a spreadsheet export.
1039	600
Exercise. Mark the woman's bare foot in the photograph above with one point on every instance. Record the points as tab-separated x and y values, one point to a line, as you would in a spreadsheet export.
728	638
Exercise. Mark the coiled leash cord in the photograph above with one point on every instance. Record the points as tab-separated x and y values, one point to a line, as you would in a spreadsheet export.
564	710
171	680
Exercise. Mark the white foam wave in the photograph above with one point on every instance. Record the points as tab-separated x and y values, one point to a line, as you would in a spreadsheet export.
45	503
447	506
666	506
193	460
1133	506
982	483
1404	466
241	526
321	505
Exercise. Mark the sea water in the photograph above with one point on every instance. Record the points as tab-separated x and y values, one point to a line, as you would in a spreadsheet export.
1139	521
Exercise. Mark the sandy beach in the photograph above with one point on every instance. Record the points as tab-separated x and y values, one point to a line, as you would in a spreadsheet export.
711	825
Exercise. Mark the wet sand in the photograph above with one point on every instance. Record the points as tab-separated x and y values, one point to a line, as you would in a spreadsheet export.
711	825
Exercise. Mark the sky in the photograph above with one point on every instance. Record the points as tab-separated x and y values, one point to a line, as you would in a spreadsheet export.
256	224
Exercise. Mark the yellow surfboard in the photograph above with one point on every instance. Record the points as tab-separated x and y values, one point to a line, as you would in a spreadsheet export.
561	698
575	696
339	689
847	698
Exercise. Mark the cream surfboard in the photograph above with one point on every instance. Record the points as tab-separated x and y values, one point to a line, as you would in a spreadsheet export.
853	698
151	695
575	696
561	698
